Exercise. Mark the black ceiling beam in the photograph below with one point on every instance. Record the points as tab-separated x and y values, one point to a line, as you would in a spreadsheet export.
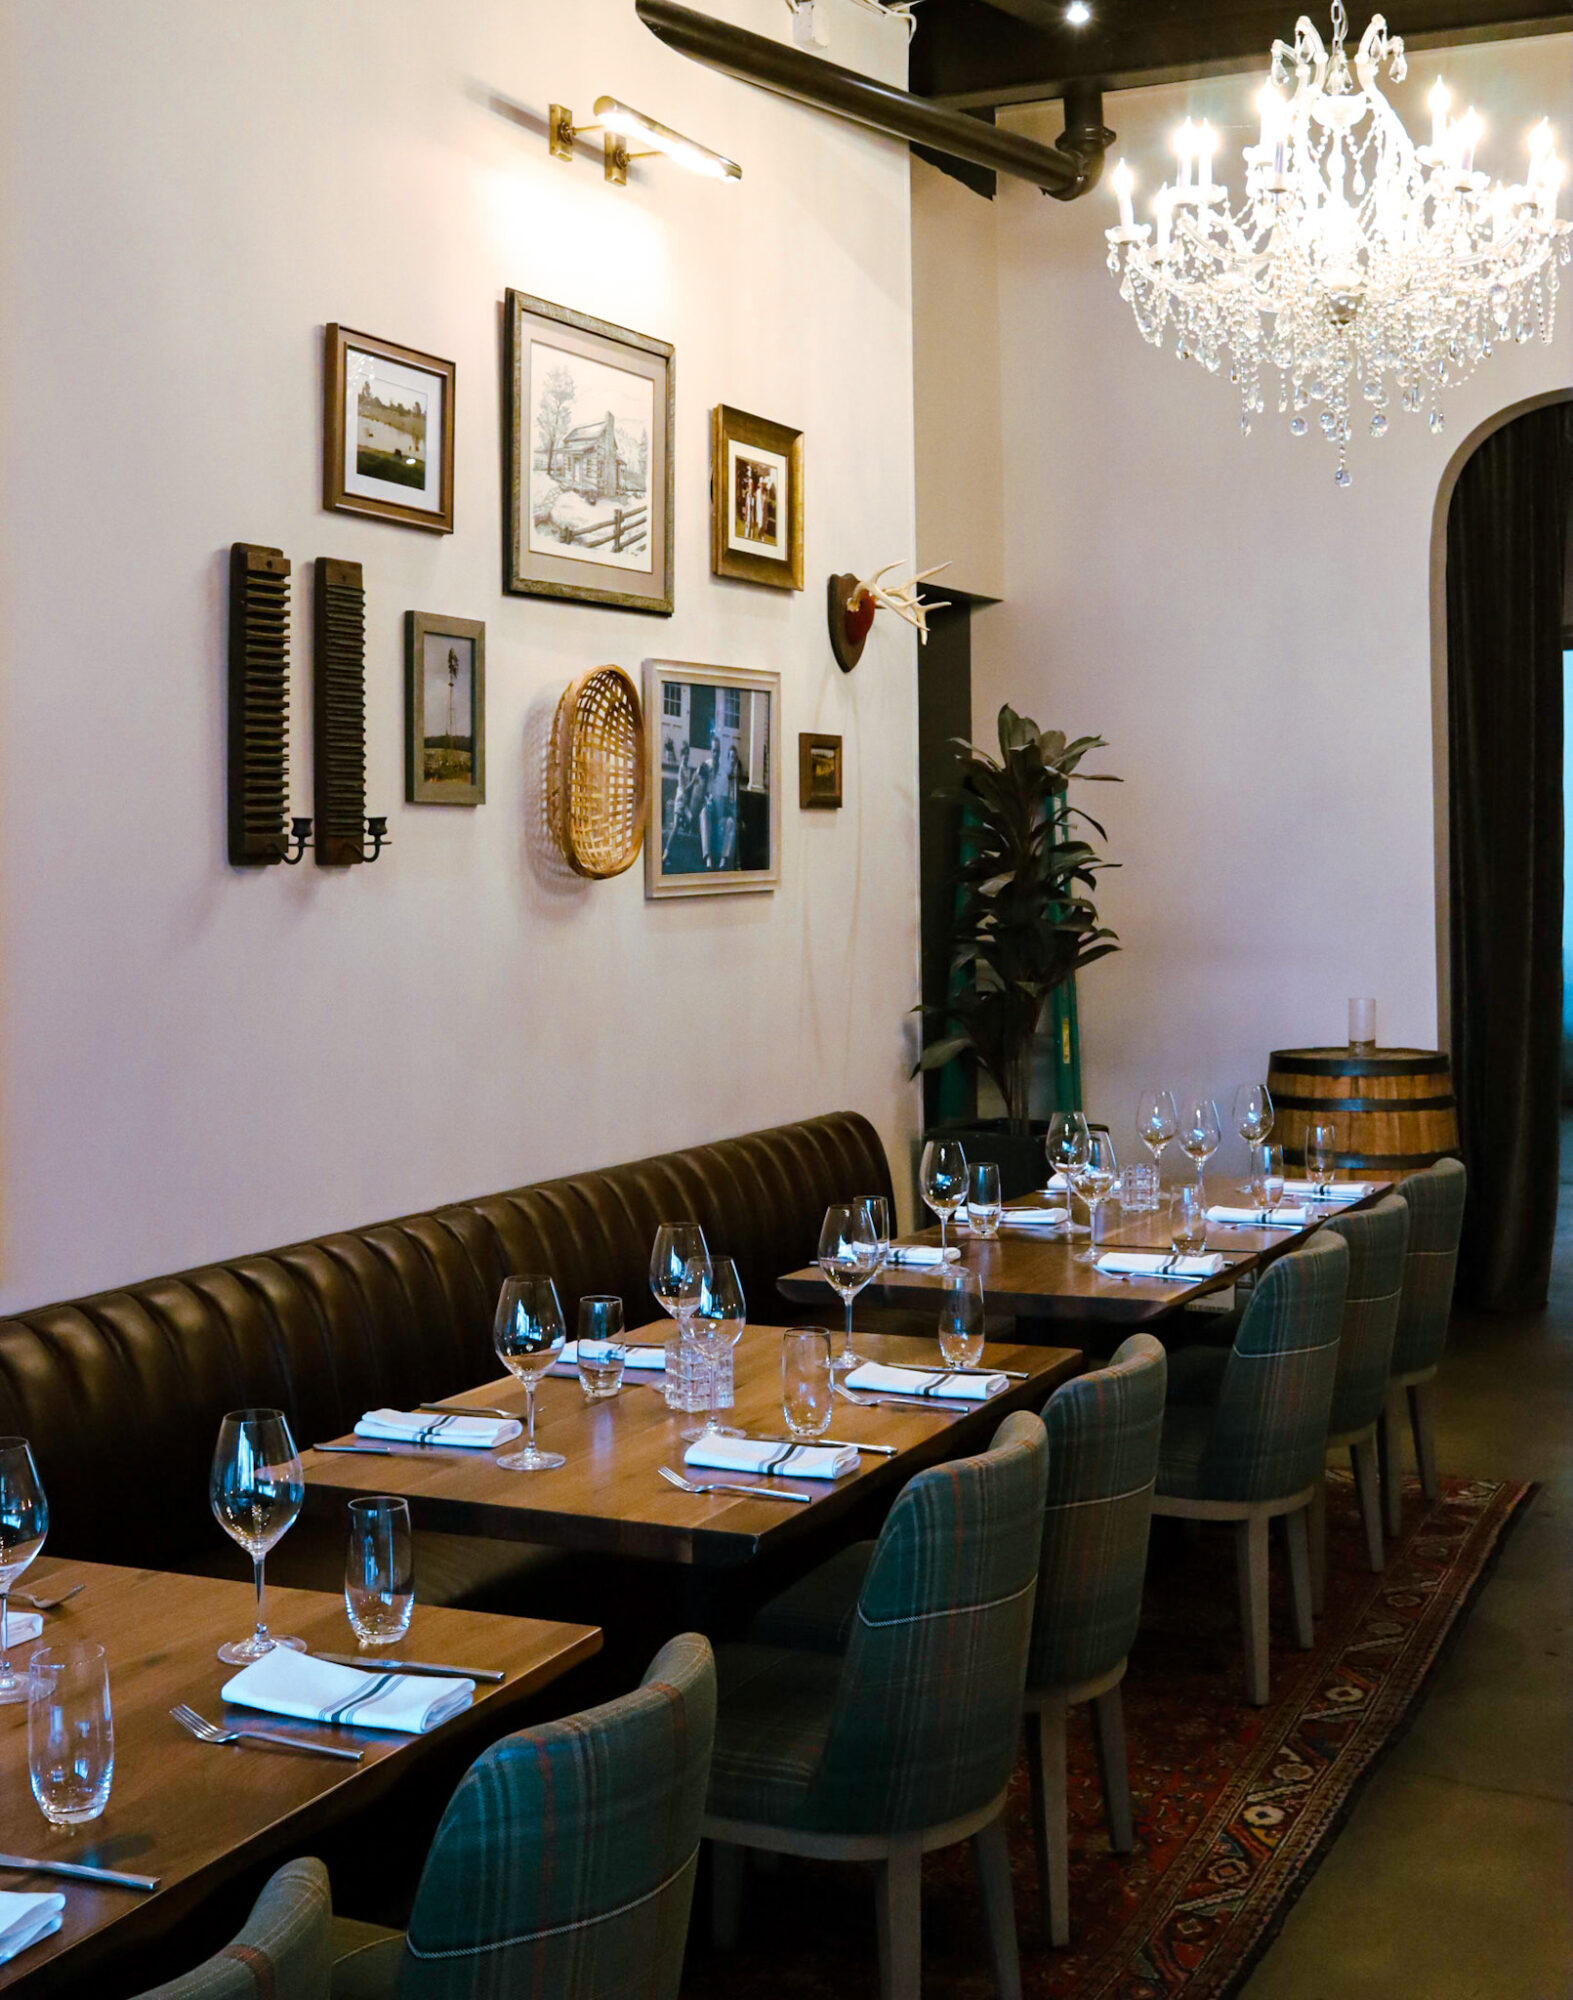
970	54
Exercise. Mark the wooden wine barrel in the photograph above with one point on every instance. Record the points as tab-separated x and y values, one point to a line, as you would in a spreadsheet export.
1393	1110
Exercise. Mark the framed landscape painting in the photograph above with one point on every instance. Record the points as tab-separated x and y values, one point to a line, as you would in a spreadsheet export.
387	431
445	710
713	741
756	500
589	475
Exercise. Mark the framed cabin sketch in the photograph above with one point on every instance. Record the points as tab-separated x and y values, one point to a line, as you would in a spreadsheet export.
387	431
589	477
713	786
756	500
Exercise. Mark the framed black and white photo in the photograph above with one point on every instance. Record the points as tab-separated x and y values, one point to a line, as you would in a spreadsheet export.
756	500
713	744
387	431
445	710
589	459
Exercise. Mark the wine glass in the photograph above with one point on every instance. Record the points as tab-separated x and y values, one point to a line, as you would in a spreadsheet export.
24	1522
1253	1113
1321	1156
806	1405
679	1270
1066	1145
879	1212
961	1319
849	1255
943	1178
528	1335
379	1570
718	1324
1093	1179
1200	1134
256	1489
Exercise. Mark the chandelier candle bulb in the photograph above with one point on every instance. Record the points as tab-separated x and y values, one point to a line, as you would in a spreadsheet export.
1469	135
1123	181
1185	147
1441	102
1206	146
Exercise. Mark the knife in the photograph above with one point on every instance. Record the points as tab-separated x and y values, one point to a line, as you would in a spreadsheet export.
77	1871
468	1410
489	1674
840	1444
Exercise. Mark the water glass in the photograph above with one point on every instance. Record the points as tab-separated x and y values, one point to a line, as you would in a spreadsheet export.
985	1205
1267	1176
806	1404
256	1489
1362	1025
942	1176
601	1351
879	1215
961	1319
24	1522
1188	1219
1139	1189
379	1570
70	1733
528	1335
1321	1154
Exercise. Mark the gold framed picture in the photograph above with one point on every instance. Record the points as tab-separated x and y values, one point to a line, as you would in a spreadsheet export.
589	474
713	792
756	500
818	771
444	710
387	431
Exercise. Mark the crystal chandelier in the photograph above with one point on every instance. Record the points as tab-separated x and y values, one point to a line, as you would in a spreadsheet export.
1358	260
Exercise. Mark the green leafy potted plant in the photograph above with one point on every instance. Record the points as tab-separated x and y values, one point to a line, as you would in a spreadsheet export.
1025	924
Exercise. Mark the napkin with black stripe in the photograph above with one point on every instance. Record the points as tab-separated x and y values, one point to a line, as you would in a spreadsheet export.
800	1461
288	1683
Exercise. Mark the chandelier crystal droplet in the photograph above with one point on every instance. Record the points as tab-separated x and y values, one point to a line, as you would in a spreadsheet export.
1359	264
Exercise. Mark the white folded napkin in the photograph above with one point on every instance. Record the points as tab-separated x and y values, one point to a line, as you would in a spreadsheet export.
1334	1191
437	1427
1282	1217
22	1628
923	1256
880	1379
1056	1184
638	1357
802	1461
1157	1264
26	1919
286	1683
1034	1218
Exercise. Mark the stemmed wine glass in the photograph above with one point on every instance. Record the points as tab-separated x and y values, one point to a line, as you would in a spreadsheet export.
1200	1134
1093	1179
1157	1121
528	1334
850	1254
717	1324
256	1490
942	1176
24	1522
1066	1145
679	1271
1253	1113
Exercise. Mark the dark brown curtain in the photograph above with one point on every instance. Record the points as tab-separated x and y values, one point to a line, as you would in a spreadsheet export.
1506	537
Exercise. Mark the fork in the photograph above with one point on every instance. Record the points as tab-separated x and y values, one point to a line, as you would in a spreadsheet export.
720	1486
35	1603
950	1409
209	1732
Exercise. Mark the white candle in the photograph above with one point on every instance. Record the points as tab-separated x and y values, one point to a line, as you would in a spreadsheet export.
1206	142
1122	180
1271	106
1185	146
1440	99
1164	205
1470	131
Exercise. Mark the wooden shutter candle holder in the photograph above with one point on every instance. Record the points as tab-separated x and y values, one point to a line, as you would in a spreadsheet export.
339	718
258	705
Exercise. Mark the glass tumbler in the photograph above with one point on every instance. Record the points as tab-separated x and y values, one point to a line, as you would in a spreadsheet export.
601	1350
70	1733
961	1319
805	1382
1188	1220
379	1570
984	1203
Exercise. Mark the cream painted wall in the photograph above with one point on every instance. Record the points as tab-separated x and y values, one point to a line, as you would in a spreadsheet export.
201	1060
1254	643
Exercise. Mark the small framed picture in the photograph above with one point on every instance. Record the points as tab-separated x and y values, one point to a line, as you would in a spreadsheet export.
387	431
589	478
818	771
712	741
445	710
756	500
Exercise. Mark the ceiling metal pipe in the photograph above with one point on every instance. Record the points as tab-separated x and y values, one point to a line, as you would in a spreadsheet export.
1065	170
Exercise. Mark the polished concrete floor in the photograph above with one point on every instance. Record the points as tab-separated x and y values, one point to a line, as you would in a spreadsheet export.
1454	1877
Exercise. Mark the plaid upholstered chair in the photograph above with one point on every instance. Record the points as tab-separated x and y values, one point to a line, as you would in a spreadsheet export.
1377	1238
1435	1200
1105	1429
563	1868
1245	1432
282	1949
882	1723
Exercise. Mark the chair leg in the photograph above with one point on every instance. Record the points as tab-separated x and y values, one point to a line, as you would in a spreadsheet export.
1297	1529
1422	1421
1108	1715
1050	1827
898	1892
1390	1456
1319	1546
726	1893
991	1852
1251	1561
1368	1481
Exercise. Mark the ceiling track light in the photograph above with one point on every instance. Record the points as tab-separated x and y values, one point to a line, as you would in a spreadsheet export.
619	123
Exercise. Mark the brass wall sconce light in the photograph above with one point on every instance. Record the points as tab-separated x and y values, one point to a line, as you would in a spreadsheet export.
619	124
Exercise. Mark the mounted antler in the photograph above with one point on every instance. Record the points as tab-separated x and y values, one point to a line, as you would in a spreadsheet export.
853	603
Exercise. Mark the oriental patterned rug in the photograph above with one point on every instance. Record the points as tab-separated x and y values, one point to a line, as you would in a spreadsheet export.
1234	1806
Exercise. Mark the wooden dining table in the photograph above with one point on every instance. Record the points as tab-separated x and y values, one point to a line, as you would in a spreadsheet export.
198	1815
1033	1272
609	1496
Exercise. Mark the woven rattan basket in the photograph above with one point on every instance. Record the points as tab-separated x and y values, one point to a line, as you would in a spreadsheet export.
596	783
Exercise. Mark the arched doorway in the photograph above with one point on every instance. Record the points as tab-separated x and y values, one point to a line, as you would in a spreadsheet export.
1500	616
